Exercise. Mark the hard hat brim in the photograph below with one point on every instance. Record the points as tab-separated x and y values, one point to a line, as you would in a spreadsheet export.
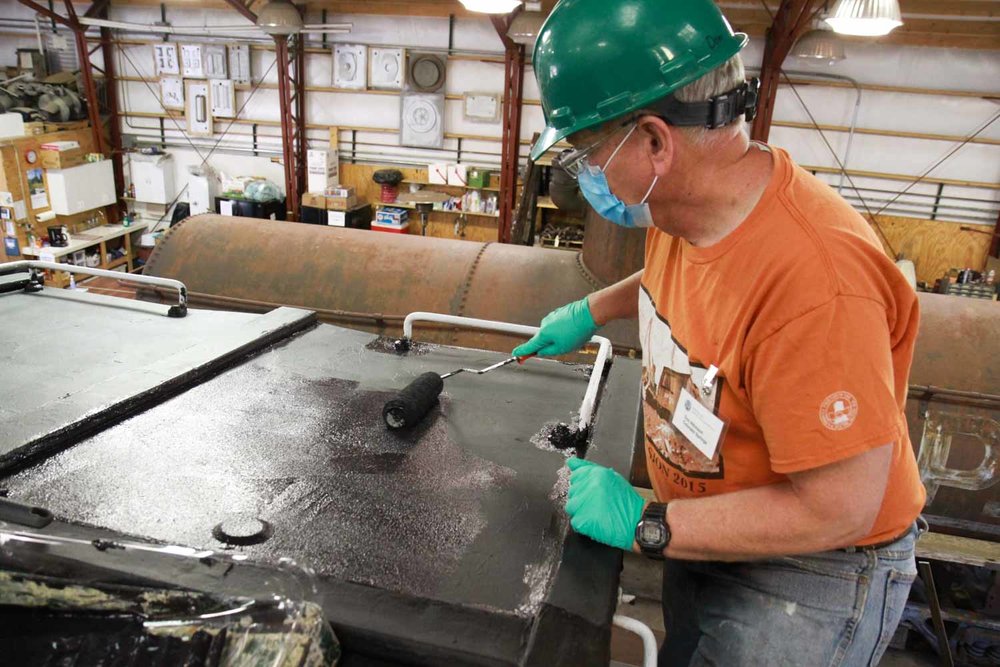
549	137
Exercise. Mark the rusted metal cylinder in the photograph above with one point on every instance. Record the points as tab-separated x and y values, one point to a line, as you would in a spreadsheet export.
370	280
612	252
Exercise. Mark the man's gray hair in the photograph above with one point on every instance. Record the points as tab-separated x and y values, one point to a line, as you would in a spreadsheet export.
722	79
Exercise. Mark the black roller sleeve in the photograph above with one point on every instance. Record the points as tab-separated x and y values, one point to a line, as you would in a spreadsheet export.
412	404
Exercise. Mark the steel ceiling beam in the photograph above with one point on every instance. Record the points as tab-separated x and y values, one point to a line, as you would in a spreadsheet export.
793	18
99	7
45	11
513	97
111	100
290	55
243	9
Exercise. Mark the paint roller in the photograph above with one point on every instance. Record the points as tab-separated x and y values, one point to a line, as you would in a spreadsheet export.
411	404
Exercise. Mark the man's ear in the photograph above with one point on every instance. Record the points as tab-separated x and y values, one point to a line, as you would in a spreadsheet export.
658	142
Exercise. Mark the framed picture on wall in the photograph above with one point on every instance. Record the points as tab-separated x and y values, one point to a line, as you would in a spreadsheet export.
223	97
165	59
198	109
172	92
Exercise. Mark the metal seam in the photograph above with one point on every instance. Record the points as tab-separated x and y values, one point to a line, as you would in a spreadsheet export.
151	262
467	284
587	275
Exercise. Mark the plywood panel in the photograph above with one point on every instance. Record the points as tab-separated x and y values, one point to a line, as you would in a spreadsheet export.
934	246
13	179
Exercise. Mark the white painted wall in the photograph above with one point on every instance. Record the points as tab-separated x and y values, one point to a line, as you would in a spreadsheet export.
955	69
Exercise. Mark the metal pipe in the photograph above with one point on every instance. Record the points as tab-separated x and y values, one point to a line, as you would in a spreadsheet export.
854	119
603	353
33	266
341	28
649	649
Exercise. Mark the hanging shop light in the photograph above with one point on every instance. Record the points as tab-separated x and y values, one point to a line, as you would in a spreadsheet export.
819	46
867	18
491	6
525	27
279	17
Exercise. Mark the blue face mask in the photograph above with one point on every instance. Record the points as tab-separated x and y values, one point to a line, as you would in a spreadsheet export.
596	190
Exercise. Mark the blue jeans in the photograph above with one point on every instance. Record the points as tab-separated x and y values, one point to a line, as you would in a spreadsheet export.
825	609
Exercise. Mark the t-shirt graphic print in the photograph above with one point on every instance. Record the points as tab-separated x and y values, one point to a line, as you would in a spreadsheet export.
667	375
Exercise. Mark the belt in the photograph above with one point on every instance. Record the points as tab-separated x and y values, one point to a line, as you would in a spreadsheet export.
877	545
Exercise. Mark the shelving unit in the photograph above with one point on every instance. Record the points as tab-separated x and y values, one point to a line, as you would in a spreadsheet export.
448	185
412	207
99	238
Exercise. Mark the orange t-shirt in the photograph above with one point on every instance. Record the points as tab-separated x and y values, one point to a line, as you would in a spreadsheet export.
811	327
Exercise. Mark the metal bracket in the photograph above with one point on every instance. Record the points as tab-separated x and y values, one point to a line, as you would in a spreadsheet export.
36	279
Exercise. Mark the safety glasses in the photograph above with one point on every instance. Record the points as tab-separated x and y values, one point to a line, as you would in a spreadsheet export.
573	161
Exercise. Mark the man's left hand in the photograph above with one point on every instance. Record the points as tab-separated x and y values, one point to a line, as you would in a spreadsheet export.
602	504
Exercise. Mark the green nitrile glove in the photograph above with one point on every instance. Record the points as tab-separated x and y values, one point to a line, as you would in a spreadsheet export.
564	330
602	504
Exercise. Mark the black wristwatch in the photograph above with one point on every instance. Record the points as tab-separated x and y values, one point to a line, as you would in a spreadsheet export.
652	532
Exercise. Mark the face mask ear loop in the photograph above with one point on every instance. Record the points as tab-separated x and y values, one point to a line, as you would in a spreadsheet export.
622	143
650	190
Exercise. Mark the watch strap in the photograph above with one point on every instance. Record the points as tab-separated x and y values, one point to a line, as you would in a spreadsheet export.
654	512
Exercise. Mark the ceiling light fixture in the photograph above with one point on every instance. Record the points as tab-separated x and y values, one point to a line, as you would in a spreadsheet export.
819	46
279	17
865	18
525	27
491	6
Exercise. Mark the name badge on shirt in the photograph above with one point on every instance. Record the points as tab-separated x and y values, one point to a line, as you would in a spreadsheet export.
697	423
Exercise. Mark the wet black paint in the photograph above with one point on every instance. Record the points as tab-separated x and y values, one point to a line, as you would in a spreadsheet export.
459	509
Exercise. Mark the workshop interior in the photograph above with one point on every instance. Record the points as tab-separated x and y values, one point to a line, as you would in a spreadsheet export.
264	265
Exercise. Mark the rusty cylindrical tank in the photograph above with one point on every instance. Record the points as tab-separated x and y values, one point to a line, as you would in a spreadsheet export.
371	281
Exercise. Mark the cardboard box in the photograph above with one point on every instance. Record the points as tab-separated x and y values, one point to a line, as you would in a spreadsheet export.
479	178
341	203
391	229
359	217
389	215
437	174
315	200
341	191
61	157
457	174
322	169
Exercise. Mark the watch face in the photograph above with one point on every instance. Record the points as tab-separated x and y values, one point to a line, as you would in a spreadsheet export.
652	532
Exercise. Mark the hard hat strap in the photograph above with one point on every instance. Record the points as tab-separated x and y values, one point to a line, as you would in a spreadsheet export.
717	112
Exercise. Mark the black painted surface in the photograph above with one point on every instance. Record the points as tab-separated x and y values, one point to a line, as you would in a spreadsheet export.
441	544
457	509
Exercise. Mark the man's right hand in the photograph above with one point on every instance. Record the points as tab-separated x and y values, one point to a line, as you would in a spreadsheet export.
564	330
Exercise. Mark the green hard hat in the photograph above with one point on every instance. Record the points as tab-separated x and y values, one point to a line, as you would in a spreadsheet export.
596	60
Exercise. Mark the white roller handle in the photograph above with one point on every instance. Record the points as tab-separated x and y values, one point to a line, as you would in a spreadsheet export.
603	352
36	265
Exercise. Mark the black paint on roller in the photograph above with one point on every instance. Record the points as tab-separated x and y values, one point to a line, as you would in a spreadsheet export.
412	404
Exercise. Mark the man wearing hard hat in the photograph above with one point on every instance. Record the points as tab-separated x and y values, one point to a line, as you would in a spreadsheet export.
777	339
